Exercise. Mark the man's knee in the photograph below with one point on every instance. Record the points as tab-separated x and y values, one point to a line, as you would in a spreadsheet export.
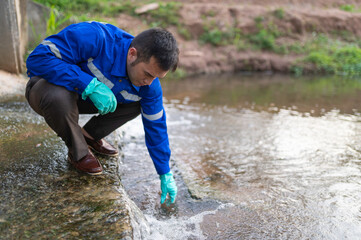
132	109
49	97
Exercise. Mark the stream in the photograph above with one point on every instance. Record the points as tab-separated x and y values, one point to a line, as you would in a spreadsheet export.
255	156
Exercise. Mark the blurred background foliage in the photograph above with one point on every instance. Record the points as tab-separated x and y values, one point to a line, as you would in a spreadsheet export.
337	53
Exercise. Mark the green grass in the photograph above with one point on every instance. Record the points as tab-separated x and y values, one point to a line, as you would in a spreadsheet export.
178	74
344	60
214	35
263	39
348	8
165	15
55	21
331	56
65	12
279	13
184	32
104	7
209	13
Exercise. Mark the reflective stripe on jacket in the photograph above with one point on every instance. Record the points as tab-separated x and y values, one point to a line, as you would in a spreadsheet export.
82	51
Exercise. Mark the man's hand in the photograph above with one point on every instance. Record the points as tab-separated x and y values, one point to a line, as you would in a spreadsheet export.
167	185
102	97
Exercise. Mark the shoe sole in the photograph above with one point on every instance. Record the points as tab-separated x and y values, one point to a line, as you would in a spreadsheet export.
89	173
109	155
94	174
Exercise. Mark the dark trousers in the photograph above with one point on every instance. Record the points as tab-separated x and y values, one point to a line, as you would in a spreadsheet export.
61	108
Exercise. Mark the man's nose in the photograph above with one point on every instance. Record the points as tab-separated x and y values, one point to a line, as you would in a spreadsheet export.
148	81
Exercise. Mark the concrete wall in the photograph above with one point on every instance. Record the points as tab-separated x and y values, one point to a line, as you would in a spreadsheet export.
13	29
38	16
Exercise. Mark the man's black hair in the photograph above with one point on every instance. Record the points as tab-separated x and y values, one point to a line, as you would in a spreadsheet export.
160	44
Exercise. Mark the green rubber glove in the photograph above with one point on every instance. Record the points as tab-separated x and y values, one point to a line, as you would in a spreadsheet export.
102	97
167	185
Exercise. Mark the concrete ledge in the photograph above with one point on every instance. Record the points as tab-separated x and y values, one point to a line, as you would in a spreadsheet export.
12	84
43	197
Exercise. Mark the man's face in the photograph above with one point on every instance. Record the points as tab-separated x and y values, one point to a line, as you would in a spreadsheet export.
143	73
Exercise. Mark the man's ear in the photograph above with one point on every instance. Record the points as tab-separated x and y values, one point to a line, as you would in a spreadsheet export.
132	54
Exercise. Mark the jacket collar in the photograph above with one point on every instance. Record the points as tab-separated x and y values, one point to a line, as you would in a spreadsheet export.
135	87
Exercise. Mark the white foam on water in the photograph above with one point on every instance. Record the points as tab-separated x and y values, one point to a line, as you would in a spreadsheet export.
179	227
132	129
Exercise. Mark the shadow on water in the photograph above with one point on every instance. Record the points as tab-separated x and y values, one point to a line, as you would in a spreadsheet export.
42	197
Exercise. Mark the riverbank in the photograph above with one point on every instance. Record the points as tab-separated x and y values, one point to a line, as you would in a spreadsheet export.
287	36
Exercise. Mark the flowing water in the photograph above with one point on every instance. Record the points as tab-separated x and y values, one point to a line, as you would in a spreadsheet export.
255	157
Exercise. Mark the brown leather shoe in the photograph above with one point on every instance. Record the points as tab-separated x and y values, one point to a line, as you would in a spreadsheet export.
101	147
88	164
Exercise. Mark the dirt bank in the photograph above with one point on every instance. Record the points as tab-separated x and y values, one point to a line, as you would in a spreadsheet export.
296	23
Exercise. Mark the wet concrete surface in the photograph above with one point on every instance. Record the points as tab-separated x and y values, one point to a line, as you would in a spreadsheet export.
12	84
43	197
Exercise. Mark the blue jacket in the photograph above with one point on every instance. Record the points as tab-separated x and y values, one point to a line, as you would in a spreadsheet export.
80	52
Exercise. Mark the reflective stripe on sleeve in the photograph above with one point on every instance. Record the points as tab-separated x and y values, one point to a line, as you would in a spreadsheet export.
129	96
52	47
153	117
97	22
99	74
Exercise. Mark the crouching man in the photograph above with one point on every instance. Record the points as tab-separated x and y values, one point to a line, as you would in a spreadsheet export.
91	68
